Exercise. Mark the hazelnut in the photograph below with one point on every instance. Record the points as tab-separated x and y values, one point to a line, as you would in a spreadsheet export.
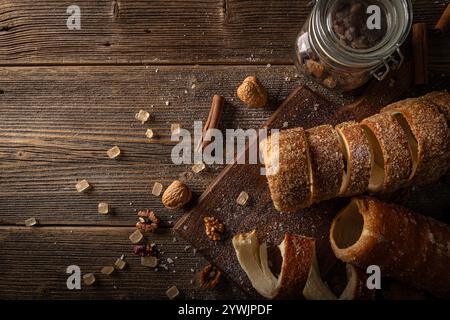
315	68
252	93
176	195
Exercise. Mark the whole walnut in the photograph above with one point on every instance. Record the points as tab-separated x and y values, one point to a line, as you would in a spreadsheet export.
176	195
252	93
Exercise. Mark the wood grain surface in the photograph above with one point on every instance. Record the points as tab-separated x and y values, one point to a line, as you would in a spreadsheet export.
67	96
161	31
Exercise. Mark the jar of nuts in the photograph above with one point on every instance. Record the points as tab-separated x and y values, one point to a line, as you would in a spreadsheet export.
344	43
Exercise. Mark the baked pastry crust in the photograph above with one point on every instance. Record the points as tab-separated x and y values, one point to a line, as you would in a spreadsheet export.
441	99
289	183
429	139
392	163
327	162
409	247
358	156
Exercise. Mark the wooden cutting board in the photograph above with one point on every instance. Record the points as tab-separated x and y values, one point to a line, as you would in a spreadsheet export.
303	108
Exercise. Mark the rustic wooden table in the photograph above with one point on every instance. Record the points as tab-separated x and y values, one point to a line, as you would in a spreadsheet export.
66	96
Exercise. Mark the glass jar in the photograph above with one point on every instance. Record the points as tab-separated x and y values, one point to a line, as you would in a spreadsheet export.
344	43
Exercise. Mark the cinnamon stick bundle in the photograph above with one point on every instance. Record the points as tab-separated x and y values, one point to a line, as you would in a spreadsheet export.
443	23
409	247
420	53
212	122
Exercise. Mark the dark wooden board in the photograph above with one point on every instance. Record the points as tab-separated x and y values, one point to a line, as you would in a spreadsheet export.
302	108
161	31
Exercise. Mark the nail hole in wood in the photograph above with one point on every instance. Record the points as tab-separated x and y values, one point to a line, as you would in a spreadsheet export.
2	91
107	44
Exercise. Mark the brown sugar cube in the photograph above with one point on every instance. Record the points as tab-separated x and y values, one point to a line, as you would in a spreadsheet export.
82	186
157	189
172	292
136	237
175	128
150	134
108	270
31	222
103	208
89	279
120	264
114	152
242	199
199	167
150	261
142	116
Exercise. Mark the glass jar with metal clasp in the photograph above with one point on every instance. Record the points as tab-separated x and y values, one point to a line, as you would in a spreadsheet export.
344	43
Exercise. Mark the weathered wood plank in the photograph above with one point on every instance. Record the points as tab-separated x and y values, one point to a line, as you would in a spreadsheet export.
57	123
160	31
33	264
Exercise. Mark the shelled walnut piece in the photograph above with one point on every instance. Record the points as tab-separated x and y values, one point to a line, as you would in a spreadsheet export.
408	142
209	277
148	221
213	228
176	195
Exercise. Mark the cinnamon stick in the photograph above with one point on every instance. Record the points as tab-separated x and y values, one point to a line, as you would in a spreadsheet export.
212	122
443	24
420	53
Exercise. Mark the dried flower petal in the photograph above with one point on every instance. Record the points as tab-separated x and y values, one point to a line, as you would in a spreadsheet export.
89	279
136	237
142	116
82	186
242	199
114	152
103	208
150	262
172	292
108	270
31	222
143	250
157	189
